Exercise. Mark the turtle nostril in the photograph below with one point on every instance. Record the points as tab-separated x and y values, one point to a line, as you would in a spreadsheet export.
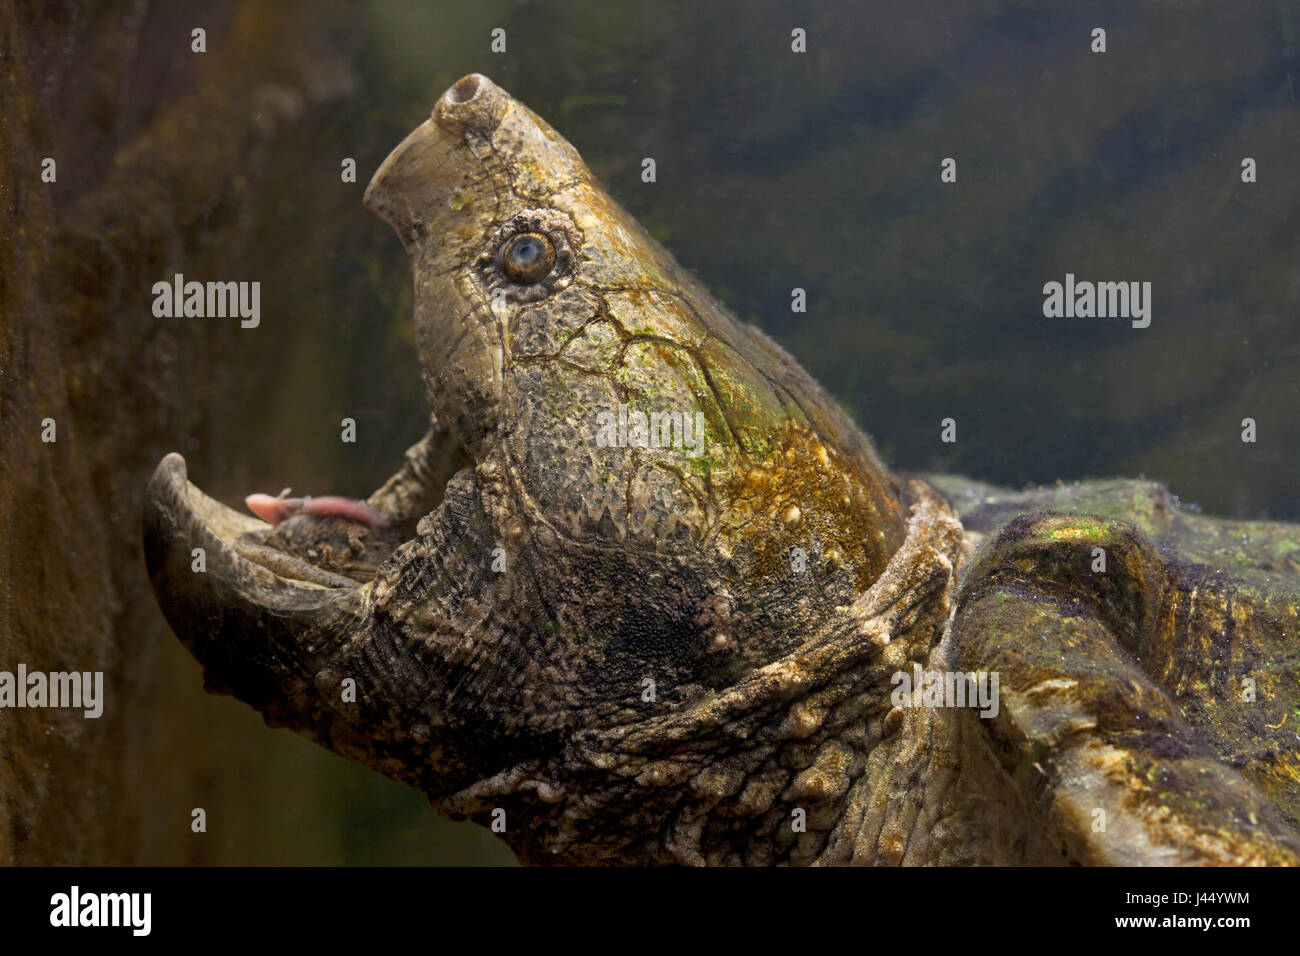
471	104
465	89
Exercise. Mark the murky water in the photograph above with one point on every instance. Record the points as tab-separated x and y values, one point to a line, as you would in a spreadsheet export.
820	171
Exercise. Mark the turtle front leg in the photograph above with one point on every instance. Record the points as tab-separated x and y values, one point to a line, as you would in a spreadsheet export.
417	487
1117	770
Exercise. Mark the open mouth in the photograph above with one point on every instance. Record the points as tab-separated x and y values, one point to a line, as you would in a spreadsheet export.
239	590
324	548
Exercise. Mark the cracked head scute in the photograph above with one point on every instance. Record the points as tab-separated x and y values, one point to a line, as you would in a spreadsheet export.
660	500
550	324
484	191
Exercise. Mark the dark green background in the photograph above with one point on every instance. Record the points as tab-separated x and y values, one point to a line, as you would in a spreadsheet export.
776	170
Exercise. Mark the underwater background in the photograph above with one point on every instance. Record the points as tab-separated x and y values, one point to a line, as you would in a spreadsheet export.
775	170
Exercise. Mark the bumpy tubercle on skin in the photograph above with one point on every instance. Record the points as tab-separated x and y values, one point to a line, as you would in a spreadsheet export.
802	490
277	508
739	760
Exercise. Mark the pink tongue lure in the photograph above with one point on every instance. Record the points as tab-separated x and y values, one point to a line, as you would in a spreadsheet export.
276	508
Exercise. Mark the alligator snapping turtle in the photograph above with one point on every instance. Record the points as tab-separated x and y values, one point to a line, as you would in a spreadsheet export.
644	594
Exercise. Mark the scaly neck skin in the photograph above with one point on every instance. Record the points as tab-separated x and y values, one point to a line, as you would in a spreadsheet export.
771	770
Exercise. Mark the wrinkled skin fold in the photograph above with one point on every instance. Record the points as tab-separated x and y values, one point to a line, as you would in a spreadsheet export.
650	649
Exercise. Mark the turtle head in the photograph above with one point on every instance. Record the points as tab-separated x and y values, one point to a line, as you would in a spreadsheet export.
659	493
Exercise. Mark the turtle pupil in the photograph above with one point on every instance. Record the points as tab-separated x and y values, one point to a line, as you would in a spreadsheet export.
528	257
526	253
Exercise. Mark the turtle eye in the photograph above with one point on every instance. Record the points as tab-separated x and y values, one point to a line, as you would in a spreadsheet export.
532	255
527	257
